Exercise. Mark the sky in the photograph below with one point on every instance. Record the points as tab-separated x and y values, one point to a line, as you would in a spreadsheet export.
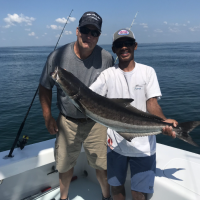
40	22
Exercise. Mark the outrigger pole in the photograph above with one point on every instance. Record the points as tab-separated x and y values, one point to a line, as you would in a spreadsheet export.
129	29
22	124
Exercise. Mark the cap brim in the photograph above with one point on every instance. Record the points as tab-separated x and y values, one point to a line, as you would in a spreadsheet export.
84	24
124	37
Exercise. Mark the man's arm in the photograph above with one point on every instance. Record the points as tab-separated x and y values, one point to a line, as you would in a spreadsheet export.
45	100
154	108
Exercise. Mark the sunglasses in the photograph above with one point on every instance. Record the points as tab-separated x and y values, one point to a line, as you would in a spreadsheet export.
121	44
85	30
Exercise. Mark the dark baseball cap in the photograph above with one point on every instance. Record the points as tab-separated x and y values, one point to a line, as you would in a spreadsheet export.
91	18
123	33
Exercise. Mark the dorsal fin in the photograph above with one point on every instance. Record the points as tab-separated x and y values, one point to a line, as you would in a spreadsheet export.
126	103
122	102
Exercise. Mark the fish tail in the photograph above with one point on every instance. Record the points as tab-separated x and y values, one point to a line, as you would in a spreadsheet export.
184	130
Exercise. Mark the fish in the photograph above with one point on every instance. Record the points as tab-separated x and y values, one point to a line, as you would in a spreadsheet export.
117	114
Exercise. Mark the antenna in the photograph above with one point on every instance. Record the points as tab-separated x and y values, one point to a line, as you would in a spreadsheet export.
133	20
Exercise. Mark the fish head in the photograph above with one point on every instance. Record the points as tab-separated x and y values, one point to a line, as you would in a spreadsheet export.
67	81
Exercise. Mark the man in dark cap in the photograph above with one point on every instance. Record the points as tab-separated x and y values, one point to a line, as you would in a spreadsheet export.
86	60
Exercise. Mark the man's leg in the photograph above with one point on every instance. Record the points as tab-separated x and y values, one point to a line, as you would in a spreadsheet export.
142	176
138	195
65	179
118	192
67	150
96	151
117	168
102	178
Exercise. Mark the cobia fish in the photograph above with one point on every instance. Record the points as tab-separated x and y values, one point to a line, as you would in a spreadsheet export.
116	114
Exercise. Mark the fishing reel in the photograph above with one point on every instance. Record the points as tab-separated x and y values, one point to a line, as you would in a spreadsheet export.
23	142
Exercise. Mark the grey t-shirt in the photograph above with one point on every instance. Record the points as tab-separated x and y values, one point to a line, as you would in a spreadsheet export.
86	70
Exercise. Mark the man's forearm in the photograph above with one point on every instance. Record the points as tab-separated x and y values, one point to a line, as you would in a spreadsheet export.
154	108
45	101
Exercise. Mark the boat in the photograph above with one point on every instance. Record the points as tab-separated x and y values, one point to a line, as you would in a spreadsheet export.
31	175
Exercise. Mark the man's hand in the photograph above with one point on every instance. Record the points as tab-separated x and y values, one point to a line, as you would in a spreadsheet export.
51	125
168	130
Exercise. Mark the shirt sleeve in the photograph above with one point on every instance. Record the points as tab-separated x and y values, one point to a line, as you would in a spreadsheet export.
152	87
45	79
100	86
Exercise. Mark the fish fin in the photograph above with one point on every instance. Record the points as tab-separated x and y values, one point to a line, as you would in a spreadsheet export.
184	130
123	102
130	136
127	136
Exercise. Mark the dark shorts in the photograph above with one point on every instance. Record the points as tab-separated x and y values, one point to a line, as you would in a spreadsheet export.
142	171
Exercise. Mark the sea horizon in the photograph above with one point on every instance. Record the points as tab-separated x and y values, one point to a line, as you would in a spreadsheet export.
177	68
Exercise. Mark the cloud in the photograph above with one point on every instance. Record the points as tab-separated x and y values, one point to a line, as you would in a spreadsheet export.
14	19
63	20
192	29
174	30
27	29
188	22
67	32
144	25
158	31
44	34
55	27
72	19
165	22
195	28
31	34
7	26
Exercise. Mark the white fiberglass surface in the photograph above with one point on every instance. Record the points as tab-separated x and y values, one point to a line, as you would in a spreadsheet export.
80	189
185	174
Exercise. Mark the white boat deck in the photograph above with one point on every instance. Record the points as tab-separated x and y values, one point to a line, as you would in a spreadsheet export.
26	174
80	189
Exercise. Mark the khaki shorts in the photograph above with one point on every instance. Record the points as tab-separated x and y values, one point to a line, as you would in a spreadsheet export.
69	140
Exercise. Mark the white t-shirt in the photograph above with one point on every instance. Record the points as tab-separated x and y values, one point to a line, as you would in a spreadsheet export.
140	84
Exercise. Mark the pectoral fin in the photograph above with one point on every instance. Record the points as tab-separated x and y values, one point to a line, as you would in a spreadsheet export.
127	136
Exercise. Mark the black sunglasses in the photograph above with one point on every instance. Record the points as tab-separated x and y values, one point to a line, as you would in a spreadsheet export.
85	30
127	43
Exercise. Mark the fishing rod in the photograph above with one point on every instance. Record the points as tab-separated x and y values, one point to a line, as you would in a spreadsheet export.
129	29
21	144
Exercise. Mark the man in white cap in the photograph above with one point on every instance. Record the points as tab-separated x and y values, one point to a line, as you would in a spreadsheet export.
130	79
86	60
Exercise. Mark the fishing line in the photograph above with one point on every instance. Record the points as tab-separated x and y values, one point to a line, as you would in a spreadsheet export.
22	124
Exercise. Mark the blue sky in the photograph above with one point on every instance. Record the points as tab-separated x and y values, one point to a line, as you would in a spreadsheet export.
39	22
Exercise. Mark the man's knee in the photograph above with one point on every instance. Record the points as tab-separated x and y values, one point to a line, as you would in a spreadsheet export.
116	190
138	195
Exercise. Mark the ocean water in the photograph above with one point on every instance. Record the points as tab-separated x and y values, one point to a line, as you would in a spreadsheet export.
177	66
